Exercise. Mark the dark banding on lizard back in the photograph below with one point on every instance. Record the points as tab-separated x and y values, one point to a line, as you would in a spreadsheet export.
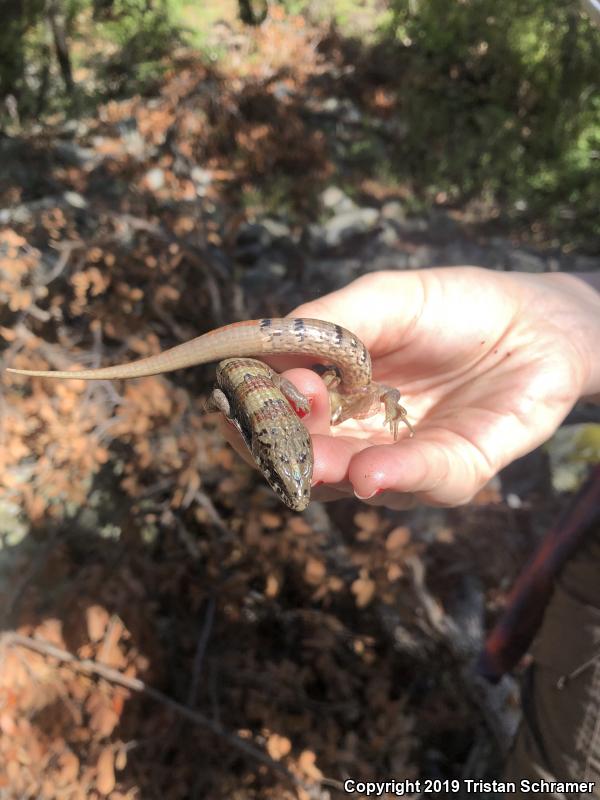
339	335
299	329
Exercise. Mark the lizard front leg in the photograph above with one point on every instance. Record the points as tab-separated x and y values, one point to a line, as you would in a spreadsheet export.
364	404
394	412
298	400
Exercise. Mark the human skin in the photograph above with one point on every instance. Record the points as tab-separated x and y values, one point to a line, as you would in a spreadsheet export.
489	364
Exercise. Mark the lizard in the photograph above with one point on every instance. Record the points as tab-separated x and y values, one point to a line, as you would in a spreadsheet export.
263	405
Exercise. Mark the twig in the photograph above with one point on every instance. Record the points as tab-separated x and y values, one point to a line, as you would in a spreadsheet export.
217	520
89	667
201	649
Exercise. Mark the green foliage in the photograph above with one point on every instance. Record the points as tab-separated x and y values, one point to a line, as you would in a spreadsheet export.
142	24
144	33
18	19
501	97
130	38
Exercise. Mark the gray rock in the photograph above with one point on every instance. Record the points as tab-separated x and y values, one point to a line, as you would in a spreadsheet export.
25	212
202	177
155	178
586	263
393	210
334	199
523	261
252	239
414	225
388	235
276	229
76	156
387	261
264	277
422	257
348	224
75	200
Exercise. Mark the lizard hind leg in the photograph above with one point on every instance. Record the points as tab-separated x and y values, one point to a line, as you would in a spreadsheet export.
394	412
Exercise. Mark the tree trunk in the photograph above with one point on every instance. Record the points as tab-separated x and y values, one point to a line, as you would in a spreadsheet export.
55	13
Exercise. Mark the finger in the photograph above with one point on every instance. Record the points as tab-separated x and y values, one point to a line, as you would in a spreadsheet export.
315	391
436	473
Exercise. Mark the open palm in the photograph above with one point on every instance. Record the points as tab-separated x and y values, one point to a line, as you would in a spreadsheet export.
488	365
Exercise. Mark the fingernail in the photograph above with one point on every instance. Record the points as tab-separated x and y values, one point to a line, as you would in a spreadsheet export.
369	496
318	483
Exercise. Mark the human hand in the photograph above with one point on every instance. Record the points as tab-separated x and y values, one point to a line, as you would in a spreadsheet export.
488	364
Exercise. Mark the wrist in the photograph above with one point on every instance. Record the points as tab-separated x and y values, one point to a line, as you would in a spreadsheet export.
582	292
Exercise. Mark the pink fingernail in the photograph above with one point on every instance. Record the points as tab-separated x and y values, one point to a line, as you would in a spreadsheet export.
374	493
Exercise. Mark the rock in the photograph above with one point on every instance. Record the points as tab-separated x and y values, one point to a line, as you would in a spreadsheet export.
414	225
25	213
75	200
76	156
252	239
334	199
201	177
523	261
388	235
276	229
422	257
262	278
571	450
393	210
586	263
155	179
348	224
386	261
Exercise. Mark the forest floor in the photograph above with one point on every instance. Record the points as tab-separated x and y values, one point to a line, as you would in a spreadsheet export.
169	629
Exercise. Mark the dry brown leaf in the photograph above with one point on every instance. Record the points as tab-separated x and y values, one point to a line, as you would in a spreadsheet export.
68	768
278	746
397	538
299	526
363	589
105	780
96	618
368	521
121	759
272	586
103	721
270	520
7	724
51	631
307	764
314	571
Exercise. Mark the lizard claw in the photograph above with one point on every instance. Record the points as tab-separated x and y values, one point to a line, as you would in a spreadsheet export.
395	413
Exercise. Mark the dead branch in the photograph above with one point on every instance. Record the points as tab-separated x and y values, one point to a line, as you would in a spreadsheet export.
89	667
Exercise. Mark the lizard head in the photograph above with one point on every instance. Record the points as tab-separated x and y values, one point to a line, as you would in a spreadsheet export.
286	461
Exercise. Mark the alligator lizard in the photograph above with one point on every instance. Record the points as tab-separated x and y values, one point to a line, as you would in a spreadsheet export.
257	400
